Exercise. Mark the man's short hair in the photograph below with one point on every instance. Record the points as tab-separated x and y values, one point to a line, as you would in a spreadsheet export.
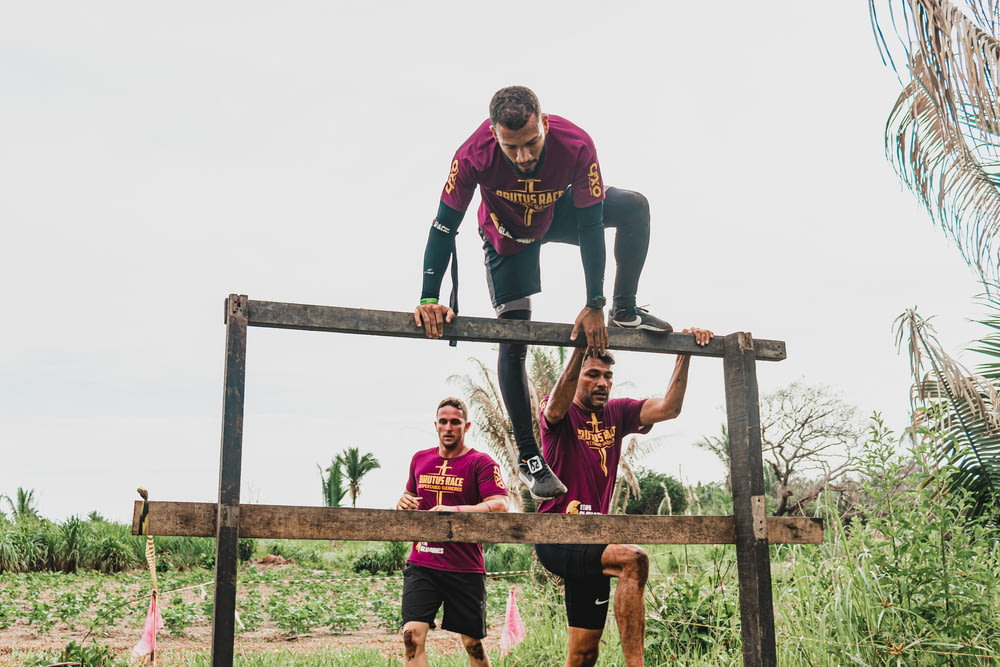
455	403
513	107
606	358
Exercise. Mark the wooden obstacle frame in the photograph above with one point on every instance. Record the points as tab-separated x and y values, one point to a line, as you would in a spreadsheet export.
749	528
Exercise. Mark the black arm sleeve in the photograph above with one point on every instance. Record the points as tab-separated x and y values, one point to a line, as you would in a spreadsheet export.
440	242
590	226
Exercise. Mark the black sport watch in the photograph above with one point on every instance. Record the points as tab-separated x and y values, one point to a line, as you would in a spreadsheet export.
597	302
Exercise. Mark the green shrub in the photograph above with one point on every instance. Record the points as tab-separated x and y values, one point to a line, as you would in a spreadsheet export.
72	537
388	557
112	554
185	553
245	548
651	494
304	554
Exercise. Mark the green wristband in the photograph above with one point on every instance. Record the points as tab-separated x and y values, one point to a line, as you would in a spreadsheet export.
429	299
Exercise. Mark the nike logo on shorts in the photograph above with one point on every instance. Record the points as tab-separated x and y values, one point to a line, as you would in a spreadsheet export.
600	602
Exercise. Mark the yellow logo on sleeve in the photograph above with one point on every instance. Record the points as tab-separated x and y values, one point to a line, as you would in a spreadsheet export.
498	479
594	179
452	176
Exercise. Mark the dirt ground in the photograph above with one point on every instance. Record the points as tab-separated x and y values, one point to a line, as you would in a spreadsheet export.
20	639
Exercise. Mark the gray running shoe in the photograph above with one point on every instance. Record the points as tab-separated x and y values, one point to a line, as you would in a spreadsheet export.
542	483
638	318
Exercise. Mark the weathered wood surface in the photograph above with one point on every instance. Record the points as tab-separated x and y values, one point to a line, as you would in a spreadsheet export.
279	315
343	523
230	466
753	531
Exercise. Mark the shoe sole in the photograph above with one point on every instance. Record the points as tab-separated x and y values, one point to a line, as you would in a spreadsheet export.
545	497
644	327
527	483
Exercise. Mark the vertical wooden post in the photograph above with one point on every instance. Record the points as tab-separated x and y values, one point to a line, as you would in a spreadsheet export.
230	462
753	560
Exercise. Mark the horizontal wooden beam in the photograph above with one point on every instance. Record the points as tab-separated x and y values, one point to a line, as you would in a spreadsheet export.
340	523
279	315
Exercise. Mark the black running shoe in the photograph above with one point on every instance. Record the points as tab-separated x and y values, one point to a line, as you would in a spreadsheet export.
539	478
638	318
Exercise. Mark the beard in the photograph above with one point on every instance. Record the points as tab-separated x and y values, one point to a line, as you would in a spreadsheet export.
534	170
597	400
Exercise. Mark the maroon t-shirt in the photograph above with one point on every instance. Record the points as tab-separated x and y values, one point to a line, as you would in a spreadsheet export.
517	210
583	449
465	480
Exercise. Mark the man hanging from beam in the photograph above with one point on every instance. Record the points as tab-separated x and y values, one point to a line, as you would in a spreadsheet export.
582	432
540	181
451	477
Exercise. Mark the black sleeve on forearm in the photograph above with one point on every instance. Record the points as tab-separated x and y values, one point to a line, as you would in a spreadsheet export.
590	226
440	242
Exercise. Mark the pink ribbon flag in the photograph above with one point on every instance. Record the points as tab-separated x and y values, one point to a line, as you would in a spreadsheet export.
154	622
513	628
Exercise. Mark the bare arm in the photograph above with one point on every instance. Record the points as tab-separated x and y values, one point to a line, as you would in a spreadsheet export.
496	503
561	396
669	407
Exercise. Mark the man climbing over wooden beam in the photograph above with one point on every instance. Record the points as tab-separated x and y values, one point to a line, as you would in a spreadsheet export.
451	477
582	432
540	181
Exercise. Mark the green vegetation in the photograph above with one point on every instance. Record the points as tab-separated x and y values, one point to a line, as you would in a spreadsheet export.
347	468
909	576
658	494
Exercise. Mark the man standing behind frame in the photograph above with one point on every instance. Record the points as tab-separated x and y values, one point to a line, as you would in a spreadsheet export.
582	432
451	477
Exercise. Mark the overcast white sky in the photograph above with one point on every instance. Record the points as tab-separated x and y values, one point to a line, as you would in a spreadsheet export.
156	158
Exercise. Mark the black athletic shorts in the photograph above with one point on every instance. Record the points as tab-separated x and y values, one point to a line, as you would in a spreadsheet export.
588	589
462	593
513	277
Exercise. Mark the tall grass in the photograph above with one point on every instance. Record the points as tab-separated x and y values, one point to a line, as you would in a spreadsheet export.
909	580
32	544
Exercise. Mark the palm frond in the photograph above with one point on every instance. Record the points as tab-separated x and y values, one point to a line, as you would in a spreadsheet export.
943	133
962	406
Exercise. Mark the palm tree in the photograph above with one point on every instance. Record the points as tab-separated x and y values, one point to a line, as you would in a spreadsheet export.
943	138
24	507
962	406
943	134
355	467
333	484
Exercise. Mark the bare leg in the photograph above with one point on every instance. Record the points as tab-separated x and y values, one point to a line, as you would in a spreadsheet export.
631	565
414	642
476	650
583	647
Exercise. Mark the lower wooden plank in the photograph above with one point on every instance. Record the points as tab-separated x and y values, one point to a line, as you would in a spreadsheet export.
341	523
